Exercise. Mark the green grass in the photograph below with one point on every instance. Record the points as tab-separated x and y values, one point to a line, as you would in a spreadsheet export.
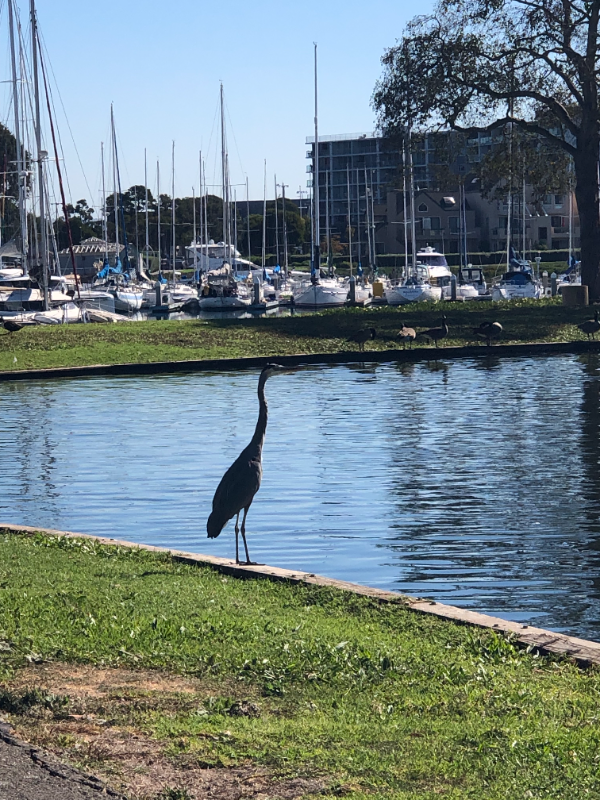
379	700
79	345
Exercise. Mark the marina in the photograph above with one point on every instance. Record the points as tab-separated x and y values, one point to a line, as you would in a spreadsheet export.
449	487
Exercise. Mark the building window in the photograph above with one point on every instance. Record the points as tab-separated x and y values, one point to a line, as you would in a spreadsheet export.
453	224
543	234
558	200
556	222
431	224
423	207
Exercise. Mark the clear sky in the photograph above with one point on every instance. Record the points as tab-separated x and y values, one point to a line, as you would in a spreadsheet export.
161	63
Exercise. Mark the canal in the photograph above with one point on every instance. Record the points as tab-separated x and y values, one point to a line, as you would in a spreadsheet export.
472	482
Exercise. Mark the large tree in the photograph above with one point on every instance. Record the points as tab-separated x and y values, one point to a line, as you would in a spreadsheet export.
480	65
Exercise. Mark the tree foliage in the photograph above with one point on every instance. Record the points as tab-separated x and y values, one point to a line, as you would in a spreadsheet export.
530	65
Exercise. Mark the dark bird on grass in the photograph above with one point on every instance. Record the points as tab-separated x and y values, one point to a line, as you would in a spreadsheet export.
436	334
489	330
590	326
405	335
11	326
242	480
362	336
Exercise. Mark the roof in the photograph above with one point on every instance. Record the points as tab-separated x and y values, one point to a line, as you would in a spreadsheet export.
93	246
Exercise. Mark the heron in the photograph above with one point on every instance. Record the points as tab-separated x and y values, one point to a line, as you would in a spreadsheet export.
590	326
11	326
362	336
405	335
435	334
489	330
241	482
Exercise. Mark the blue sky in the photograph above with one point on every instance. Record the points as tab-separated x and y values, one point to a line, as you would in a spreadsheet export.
161	63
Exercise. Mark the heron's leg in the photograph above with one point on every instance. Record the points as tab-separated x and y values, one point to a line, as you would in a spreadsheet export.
244	534
237	530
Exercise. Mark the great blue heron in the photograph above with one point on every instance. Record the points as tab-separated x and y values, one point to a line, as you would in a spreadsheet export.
590	326
405	335
489	331
242	480
435	334
360	337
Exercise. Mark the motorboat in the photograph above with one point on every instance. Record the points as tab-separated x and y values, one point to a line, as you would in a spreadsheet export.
517	284
98	299
68	313
473	276
439	274
213	256
127	298
24	293
220	291
320	293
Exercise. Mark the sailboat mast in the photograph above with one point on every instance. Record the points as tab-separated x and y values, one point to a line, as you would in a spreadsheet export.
225	181
285	238
358	253
264	229
40	155
276	224
248	219
413	222
349	217
523	216
147	245
115	194
327	235
206	263
316	204
173	209
367	222
194	232
158	218
104	221
405	209
19	165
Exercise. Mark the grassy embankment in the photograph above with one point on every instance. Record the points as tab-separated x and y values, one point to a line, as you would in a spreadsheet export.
206	681
77	345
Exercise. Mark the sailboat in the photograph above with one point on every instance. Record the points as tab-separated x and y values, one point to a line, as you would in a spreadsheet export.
319	291
416	286
115	279
219	290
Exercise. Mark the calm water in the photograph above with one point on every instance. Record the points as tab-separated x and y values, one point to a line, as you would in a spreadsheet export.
475	483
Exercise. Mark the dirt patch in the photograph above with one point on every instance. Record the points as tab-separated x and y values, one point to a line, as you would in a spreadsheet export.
93	732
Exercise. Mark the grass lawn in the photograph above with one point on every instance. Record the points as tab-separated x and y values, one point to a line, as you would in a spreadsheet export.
162	678
78	345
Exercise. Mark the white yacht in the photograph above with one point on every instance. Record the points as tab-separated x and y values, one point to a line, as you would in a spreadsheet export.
213	256
417	288
518	283
320	293
24	293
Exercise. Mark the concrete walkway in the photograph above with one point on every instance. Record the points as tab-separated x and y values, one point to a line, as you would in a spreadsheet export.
27	773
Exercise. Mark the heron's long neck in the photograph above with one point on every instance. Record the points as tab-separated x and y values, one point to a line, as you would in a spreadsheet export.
261	425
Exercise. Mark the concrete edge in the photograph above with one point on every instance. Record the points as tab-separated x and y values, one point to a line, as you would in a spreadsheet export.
583	651
341	357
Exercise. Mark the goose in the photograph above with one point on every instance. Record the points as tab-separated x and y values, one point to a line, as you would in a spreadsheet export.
488	330
405	335
590	326
362	336
435	334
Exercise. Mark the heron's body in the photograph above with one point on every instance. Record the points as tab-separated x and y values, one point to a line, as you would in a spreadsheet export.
489	330
590	326
405	335
436	334
241	482
362	336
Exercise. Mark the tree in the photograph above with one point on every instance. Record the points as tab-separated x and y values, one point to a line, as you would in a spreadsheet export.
485	65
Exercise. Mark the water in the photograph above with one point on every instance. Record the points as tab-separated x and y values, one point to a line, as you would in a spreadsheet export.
475	482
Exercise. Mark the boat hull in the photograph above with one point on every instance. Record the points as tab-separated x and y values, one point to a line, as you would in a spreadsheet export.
401	295
320	296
